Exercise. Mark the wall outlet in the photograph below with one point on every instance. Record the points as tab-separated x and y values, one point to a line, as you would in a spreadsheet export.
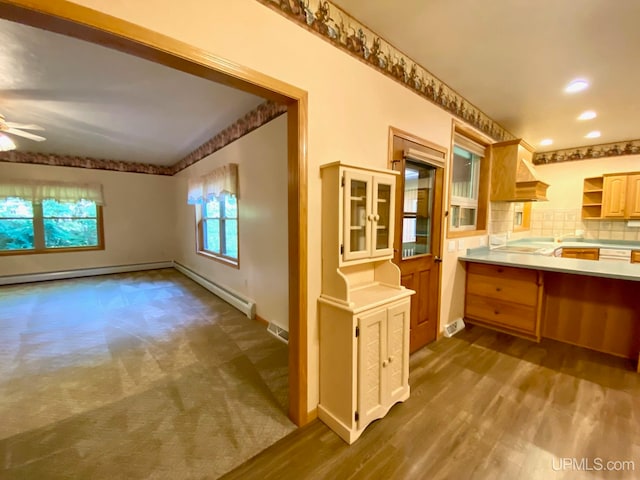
451	246
461	244
483	241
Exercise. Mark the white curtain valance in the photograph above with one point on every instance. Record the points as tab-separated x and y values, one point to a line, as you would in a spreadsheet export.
223	179
39	190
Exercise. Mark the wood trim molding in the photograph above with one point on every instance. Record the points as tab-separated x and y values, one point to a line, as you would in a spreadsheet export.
70	19
605	150
319	17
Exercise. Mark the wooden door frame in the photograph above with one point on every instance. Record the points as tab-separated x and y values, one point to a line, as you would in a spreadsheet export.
61	16
396	132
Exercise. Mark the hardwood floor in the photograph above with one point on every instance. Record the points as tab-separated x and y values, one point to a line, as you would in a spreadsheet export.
141	375
483	405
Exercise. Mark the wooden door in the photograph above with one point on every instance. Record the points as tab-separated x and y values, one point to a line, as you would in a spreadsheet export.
418	231
614	194
633	196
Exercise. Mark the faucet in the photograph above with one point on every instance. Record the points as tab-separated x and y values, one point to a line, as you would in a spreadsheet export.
560	238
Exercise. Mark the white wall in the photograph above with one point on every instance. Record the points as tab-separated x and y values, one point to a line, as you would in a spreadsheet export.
138	220
262	206
351	106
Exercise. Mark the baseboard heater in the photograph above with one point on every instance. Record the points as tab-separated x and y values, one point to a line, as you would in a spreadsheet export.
81	272
245	305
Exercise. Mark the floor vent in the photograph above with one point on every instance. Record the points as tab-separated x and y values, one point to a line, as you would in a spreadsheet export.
454	327
279	332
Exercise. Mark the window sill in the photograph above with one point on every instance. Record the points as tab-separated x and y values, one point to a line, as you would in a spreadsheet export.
51	250
465	233
231	262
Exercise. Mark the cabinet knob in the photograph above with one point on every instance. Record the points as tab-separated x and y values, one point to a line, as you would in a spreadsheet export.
390	359
500	270
496	312
384	363
377	217
498	289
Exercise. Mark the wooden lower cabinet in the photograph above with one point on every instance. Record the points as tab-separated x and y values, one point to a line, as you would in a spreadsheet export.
581	253
635	256
504	298
364	364
601	314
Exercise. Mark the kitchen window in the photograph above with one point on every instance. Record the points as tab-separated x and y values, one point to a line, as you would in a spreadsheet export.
468	187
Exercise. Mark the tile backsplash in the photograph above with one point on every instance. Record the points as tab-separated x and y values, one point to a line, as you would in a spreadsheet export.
560	222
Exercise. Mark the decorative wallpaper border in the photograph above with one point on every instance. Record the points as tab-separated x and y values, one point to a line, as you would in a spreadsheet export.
262	114
53	159
351	36
616	149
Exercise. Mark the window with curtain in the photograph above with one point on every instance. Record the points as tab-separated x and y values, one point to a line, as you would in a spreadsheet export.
44	217
215	195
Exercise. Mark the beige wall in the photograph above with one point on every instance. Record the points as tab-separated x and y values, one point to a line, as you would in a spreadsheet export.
138	220
561	215
262	204
351	106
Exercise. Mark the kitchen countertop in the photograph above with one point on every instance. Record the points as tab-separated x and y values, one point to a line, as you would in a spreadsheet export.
544	260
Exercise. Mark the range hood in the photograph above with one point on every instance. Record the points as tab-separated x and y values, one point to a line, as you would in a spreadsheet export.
513	176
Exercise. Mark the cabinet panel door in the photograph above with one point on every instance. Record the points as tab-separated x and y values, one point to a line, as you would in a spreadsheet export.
383	206
633	196
372	345
357	210
397	368
614	196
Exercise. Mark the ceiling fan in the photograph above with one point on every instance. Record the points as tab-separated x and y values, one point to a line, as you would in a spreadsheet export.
18	129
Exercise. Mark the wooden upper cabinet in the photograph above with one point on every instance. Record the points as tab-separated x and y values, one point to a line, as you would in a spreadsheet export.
614	196
632	207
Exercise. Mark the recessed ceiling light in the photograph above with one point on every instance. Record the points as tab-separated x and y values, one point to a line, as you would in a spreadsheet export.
6	144
594	134
576	86
588	115
546	141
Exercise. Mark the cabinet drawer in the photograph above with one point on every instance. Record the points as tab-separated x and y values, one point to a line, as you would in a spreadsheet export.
581	253
504	289
635	256
498	271
501	314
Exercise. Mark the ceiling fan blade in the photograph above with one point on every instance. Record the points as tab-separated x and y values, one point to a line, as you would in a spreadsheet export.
28	135
23	126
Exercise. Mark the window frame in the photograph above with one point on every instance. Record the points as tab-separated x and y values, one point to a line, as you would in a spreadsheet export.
484	179
200	233
39	245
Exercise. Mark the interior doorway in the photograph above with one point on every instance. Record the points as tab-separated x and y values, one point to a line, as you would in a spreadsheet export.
417	243
89	25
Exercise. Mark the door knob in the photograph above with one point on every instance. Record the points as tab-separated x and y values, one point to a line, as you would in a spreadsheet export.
437	259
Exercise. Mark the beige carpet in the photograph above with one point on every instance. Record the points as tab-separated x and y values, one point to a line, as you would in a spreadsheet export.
142	375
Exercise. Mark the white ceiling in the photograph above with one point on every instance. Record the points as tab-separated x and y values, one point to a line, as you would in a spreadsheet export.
96	102
513	58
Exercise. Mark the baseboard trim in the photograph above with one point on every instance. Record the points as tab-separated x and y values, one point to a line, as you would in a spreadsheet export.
81	272
261	320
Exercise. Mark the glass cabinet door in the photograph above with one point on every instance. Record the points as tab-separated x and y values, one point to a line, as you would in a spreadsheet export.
357	215
381	225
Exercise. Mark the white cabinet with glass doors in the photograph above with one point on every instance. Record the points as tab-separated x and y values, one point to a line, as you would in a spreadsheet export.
359	279
368	203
